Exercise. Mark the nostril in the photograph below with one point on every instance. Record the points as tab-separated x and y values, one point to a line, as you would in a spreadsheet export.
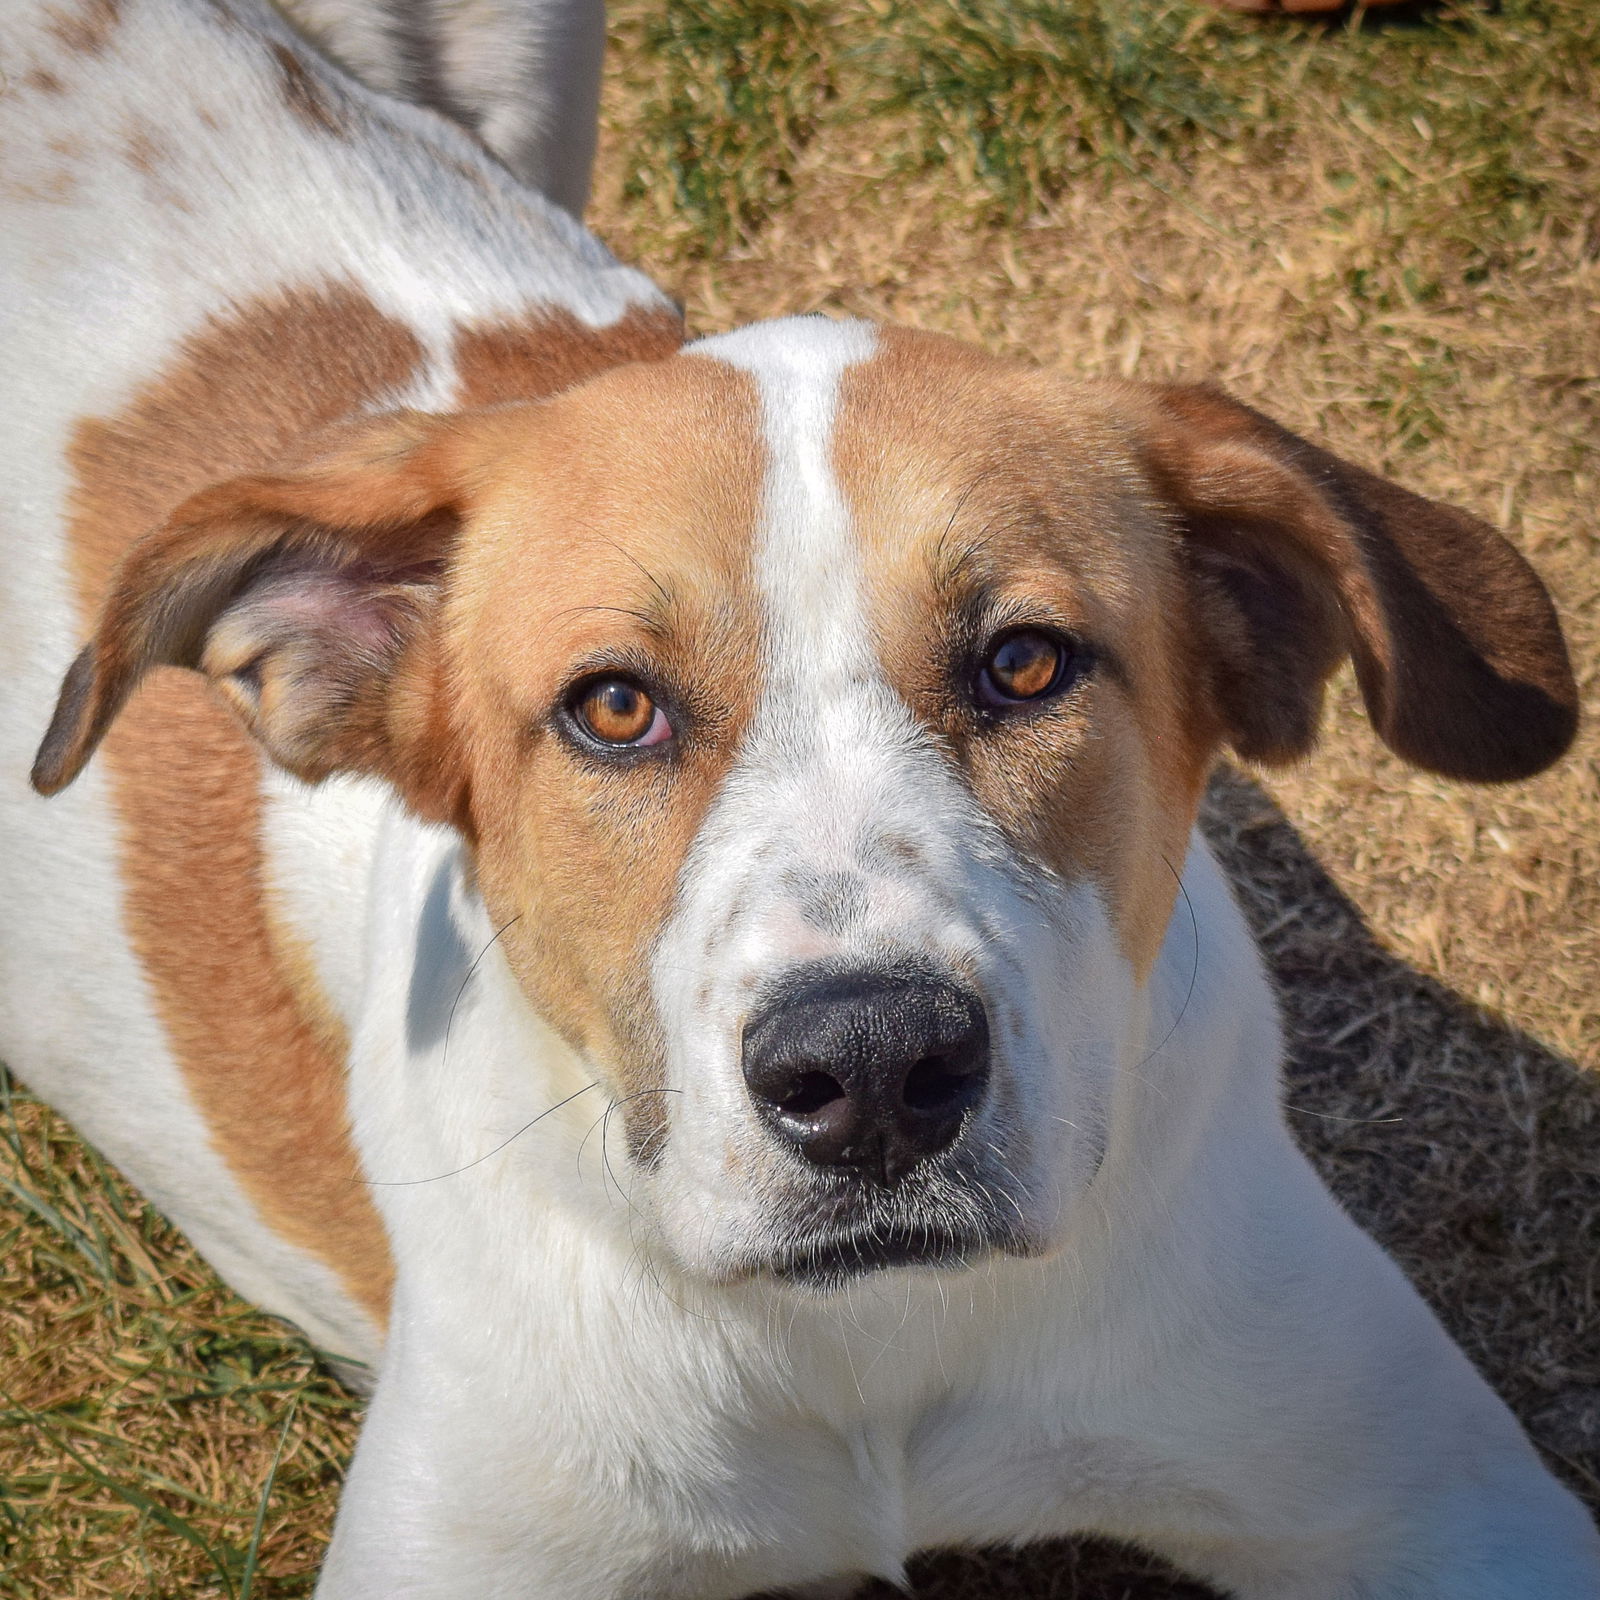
810	1093
941	1083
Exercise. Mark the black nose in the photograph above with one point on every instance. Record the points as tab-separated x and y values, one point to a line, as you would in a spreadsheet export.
868	1071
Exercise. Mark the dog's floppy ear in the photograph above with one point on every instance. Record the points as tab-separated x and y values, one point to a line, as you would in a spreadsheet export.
1296	559
307	595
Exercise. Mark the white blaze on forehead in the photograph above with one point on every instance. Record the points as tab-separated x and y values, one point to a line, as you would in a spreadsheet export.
832	749
835	762
807	566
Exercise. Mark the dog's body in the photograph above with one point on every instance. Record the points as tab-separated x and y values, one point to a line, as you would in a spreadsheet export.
184	182
381	1025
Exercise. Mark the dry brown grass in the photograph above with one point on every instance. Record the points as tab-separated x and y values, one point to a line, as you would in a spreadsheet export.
1390	239
142	1405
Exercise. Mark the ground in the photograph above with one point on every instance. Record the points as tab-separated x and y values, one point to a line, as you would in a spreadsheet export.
1386	236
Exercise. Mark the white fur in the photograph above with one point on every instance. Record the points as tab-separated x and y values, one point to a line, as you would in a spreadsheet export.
1206	1356
1214	1362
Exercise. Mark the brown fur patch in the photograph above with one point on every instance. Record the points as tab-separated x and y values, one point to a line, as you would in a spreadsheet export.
257	1052
144	151
85	28
151	156
614	527
542	353
308	98
42	81
988	494
54	186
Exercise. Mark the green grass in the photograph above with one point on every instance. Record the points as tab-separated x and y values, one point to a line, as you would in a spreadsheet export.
1019	98
151	1425
739	87
1022	97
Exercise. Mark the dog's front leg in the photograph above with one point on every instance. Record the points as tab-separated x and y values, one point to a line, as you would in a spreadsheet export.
1336	1443
393	1536
451	1495
549	1476
404	1533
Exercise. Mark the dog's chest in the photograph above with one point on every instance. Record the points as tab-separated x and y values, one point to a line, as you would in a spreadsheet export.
904	1450
972	1470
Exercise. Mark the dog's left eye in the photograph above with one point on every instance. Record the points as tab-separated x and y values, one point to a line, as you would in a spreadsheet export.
619	712
1024	664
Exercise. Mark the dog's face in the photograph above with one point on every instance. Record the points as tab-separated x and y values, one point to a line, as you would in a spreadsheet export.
828	709
835	756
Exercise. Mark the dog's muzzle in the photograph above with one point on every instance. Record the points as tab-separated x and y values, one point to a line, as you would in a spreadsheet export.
868	1074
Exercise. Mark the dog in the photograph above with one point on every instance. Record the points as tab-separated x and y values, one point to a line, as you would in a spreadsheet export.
645	894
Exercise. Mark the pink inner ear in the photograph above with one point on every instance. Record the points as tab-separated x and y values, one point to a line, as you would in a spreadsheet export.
313	623
348	609
304	653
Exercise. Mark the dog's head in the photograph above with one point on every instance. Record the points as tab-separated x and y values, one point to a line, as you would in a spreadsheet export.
827	709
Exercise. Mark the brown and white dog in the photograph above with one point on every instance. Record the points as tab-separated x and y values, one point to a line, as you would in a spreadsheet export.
633	889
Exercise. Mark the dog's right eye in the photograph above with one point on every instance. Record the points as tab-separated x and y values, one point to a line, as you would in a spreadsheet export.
618	712
1024	664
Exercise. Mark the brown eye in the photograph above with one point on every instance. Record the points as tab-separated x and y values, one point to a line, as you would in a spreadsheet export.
1025	664
617	711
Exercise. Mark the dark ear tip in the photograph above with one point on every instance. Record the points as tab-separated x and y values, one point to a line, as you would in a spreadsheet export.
56	764
1560	729
1536	734
64	748
47	778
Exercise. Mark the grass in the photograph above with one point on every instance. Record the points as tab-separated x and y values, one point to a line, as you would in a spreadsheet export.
1022	97
1387	236
740	86
157	1436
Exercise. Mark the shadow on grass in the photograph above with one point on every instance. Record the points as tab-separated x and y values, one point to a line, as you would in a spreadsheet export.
1467	1148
